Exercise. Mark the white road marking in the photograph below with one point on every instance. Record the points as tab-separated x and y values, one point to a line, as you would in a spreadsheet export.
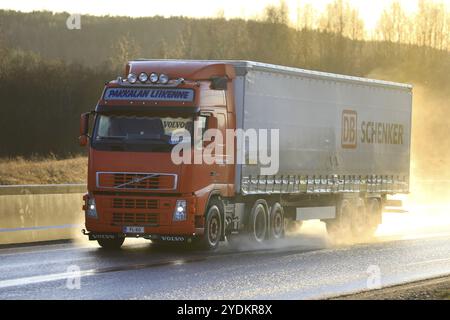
39	250
43	278
427	262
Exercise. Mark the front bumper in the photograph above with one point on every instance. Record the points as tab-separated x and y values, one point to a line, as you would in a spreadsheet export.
154	237
154	214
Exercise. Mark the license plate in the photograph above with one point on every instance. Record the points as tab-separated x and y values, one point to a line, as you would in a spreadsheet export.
139	230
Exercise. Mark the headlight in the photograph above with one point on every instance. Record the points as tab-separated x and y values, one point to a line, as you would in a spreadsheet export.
180	213
163	78
91	210
132	78
143	77
154	77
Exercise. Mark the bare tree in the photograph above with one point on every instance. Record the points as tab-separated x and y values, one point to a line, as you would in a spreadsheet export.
277	14
340	18
431	24
437	24
124	49
393	24
306	17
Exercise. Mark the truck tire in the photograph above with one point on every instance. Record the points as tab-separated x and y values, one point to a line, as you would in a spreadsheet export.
340	228
277	222
111	244
359	223
213	228
366	219
258	226
374	216
292	226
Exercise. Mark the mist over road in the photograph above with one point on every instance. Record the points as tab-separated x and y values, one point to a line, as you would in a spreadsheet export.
302	266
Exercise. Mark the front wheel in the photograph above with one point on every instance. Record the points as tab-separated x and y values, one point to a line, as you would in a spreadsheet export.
111	244
213	229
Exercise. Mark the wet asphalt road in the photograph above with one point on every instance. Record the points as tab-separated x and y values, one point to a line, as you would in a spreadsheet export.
303	266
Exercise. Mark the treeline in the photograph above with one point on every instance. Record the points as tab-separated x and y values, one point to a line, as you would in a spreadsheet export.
50	74
111	39
428	27
41	102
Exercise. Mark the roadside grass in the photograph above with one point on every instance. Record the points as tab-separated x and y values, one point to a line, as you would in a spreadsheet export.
444	294
43	170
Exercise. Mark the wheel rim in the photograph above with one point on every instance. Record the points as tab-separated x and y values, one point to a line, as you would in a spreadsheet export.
277	225
259	227
214	228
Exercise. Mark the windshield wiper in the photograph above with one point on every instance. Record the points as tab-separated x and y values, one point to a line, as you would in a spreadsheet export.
110	138
149	137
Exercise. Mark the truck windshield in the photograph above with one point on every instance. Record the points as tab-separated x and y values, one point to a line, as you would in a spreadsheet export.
130	132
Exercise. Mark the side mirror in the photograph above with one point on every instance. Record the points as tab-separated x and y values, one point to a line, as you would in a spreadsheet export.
84	129
219	83
83	141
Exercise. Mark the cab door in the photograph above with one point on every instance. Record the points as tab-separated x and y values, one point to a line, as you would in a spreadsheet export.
221	167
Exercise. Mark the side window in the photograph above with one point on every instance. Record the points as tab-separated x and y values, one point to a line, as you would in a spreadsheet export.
203	121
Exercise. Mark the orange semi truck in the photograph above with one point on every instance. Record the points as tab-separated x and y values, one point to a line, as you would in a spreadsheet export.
343	146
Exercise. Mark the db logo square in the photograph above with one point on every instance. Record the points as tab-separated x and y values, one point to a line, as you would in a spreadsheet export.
349	129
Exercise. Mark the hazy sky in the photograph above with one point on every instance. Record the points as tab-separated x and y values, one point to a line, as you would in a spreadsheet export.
369	9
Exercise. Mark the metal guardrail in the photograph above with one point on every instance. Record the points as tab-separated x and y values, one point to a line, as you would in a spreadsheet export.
63	226
42	189
33	213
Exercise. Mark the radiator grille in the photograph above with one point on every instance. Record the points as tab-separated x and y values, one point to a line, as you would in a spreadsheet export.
140	181
149	219
124	203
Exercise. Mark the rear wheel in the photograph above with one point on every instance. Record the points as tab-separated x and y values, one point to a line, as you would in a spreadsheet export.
373	209
258	226
340	228
292	226
277	221
111	244
360	221
366	219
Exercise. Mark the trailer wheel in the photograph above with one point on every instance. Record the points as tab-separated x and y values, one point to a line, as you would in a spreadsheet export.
366	219
360	221
340	229
374	214
111	244
258	222
213	228
277	221
292	226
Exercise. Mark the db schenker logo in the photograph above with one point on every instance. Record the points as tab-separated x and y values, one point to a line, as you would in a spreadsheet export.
349	129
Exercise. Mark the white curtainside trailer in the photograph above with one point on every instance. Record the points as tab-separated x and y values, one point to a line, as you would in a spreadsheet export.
344	144
337	133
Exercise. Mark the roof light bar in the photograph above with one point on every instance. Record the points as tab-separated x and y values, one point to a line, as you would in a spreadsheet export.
154	77
132	78
143	77
163	78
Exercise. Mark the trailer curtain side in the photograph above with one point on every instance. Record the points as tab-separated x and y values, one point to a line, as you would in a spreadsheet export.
337	133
